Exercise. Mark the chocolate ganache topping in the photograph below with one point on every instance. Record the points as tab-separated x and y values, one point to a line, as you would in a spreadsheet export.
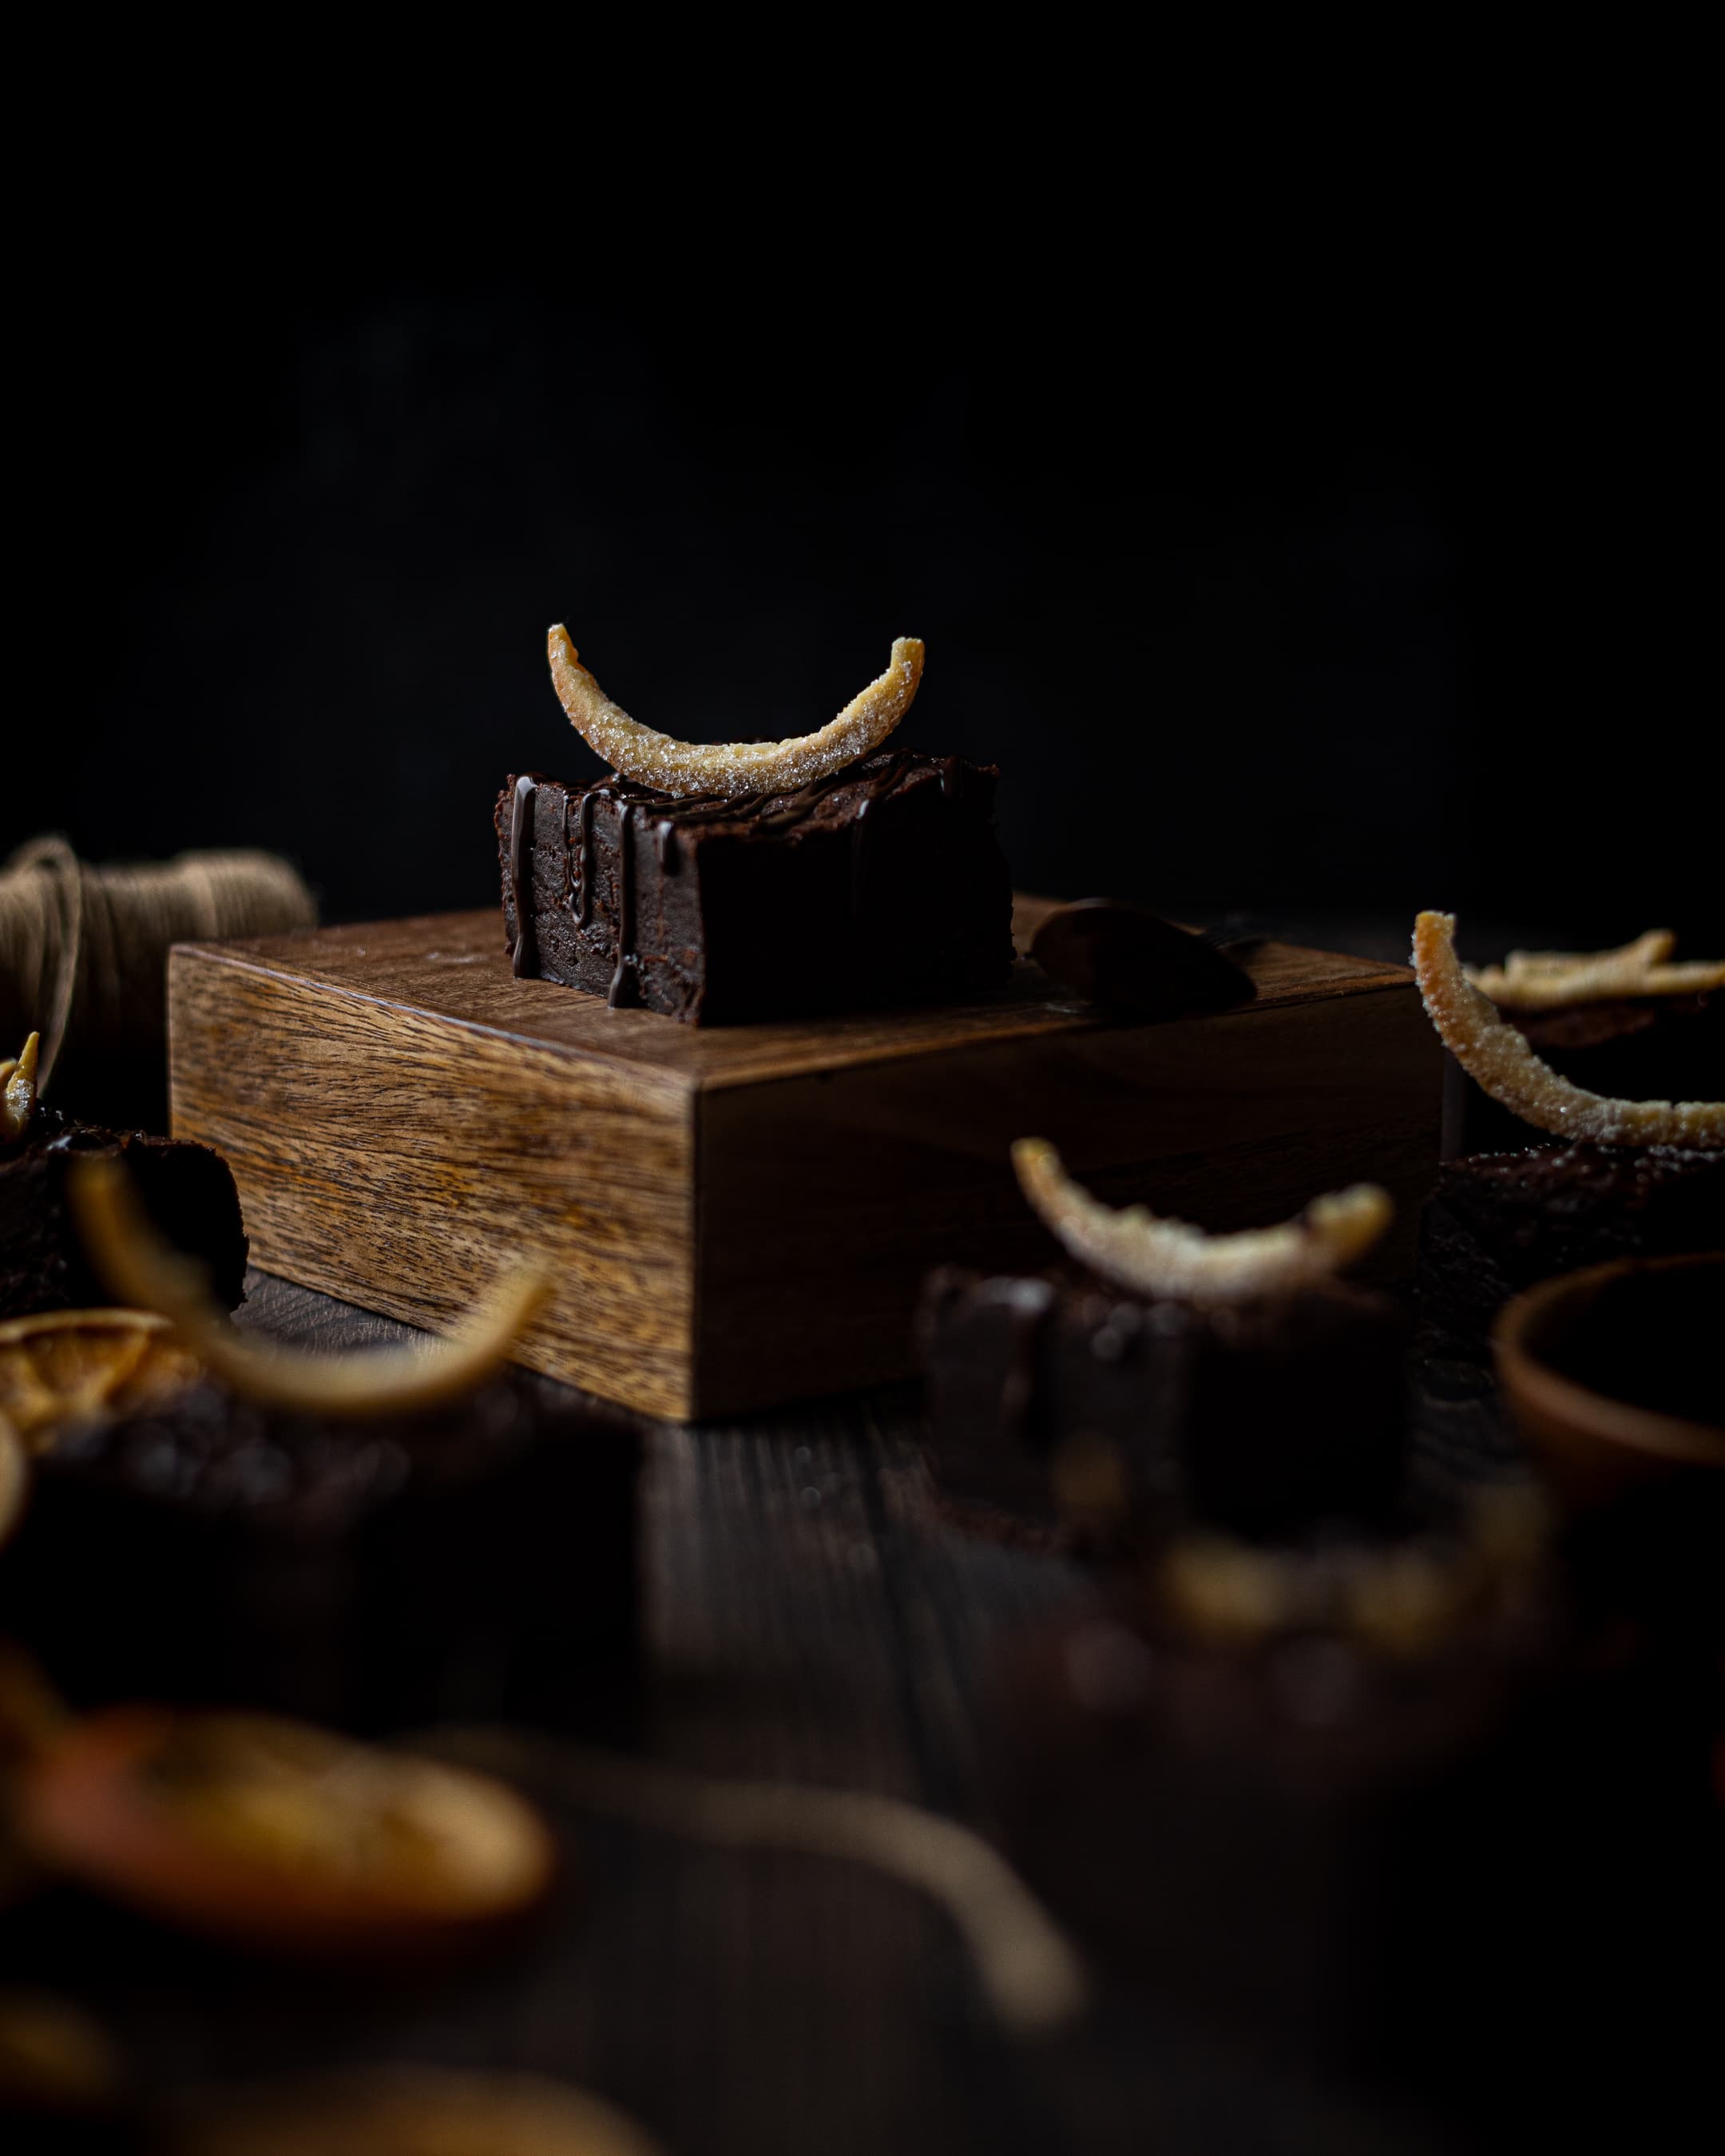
833	797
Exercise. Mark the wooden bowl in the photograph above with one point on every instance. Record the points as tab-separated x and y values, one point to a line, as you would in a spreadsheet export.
1613	1374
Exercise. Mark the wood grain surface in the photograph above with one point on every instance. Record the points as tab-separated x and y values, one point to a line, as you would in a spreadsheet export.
735	1216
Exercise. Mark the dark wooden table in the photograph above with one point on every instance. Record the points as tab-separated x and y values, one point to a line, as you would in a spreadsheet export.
811	1617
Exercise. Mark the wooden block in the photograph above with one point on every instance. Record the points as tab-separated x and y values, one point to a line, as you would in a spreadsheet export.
743	1216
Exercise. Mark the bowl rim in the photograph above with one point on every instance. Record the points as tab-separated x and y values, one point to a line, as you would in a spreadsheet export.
1522	1370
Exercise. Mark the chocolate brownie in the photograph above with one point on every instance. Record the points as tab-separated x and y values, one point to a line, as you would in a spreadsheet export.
1258	1415
1301	1832
186	1189
1497	1222
474	1559
883	884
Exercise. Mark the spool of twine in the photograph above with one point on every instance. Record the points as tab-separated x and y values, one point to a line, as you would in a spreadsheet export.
84	950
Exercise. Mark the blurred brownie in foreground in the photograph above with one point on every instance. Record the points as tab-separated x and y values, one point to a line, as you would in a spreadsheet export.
883	883
476	1559
1286	1784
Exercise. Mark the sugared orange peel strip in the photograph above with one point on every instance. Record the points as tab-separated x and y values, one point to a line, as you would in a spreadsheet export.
1138	1250
730	768
1499	1060
278	1836
17	1090
138	1267
1545	980
1030	1970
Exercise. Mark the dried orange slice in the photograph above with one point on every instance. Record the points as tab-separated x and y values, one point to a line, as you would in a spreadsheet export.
1544	980
273	1834
1138	1250
60	1366
731	768
1497	1056
17	1090
412	2111
132	1260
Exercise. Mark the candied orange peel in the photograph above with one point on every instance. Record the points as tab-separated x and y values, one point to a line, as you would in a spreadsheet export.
136	1265
19	1090
1137	1248
1545	980
732	768
1500	1061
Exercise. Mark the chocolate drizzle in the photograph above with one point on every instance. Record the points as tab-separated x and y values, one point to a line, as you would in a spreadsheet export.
604	928
524	953
581	859
624	987
773	815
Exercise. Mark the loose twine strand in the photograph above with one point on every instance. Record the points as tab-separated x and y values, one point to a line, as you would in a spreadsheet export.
84	950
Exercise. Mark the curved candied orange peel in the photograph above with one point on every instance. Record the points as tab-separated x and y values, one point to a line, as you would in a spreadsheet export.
731	768
137	1265
1545	980
19	1090
1138	1250
1500	1061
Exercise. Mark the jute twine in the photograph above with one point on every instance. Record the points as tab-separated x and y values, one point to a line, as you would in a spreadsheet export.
84	950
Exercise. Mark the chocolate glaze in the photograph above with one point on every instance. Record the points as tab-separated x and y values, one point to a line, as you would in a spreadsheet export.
580	860
523	956
691	927
773	814
625	988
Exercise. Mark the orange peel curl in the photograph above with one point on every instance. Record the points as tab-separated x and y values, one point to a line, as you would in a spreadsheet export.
18	1089
138	1267
732	769
1138	1250
1500	1061
1548	980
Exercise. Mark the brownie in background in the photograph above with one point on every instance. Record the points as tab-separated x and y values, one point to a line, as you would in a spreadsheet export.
1496	1223
1258	1416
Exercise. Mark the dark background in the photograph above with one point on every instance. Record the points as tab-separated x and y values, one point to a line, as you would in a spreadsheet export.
1333	557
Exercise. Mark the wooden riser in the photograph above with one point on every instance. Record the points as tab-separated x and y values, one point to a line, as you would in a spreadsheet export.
739	1216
